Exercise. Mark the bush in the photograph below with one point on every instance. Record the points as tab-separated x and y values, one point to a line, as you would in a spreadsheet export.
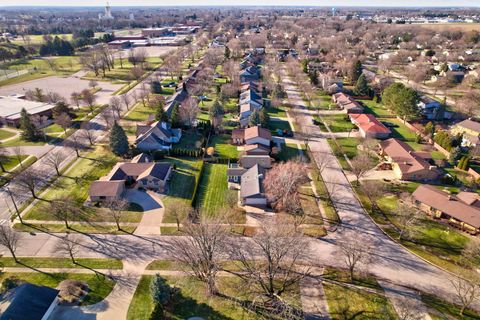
10	283
158	155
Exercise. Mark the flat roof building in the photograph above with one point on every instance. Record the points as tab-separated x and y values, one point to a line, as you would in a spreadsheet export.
11	107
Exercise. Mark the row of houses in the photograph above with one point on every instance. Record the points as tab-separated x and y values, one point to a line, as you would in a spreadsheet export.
249	101
470	131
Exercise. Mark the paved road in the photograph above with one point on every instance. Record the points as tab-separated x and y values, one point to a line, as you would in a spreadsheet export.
390	261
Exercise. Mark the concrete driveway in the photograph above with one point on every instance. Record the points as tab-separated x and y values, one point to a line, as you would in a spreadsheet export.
142	198
153	211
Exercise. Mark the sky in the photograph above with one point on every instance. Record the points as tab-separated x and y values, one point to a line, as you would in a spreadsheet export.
328	3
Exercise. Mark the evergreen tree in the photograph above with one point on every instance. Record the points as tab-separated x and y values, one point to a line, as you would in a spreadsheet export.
118	140
313	75
264	117
161	115
356	71
175	117
361	87
401	100
160	290
254	118
29	131
60	108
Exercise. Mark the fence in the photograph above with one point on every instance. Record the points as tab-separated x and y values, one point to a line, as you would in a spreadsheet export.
13	74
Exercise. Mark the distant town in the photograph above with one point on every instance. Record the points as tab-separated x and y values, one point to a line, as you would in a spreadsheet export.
239	163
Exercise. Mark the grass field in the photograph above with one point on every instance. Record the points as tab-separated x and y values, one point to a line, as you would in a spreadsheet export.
182	183
99	286
338	123
10	162
36	262
222	146
5	134
288	151
213	188
193	302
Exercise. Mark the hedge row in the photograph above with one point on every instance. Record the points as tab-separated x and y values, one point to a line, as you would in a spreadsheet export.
197	183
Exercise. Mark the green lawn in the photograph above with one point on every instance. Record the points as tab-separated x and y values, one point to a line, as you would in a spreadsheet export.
400	131
90	228
323	101
338	123
192	300
352	303
278	112
440	310
222	146
19	141
122	70
139	113
377	109
289	151
92	263
275	125
213	188
191	139
99	286
11	162
182	183
330	211
5	134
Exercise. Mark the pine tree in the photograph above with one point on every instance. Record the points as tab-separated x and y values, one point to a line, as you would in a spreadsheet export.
161	115
254	118
361	87
227	52
29	131
175	117
356	71
264	117
118	140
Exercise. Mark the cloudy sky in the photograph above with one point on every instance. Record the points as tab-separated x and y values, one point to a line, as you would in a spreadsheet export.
402	3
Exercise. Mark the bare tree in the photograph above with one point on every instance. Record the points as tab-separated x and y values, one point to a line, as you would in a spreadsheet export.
75	143
179	210
17	153
137	72
125	100
54	160
406	310
374	190
64	121
89	99
407	216
116	207
69	245
76	97
282	182
360	164
29	180
87	133
116	106
9	239
354	252
466	291
63	209
270	268
201	250
188	111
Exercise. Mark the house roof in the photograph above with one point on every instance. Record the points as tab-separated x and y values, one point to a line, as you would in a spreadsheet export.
256	148
368	123
106	188
142	157
238	134
257	131
27	302
451	205
123	169
157	170
11	107
470	198
404	156
470	125
251	184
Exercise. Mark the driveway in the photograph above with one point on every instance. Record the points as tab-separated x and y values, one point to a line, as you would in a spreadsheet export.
153	211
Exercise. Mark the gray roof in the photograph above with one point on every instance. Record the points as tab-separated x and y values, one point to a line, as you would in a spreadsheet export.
251	185
158	170
10	107
27	302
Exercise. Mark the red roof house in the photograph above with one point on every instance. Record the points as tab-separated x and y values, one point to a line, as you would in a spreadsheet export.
369	126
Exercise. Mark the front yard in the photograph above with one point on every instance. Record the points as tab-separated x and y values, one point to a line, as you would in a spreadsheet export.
222	146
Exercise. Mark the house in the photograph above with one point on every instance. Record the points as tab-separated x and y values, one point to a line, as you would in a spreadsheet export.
251	96
432	109
256	150
11	107
369	126
157	136
406	163
470	130
251	136
249	161
462	210
176	99
147	175
251	187
347	103
28	302
250	73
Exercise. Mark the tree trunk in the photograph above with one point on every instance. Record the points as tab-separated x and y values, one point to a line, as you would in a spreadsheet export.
12	252
2	167
66	224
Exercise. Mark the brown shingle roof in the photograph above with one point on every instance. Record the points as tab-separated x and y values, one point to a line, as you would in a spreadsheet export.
102	188
470	124
257	131
404	156
448	204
